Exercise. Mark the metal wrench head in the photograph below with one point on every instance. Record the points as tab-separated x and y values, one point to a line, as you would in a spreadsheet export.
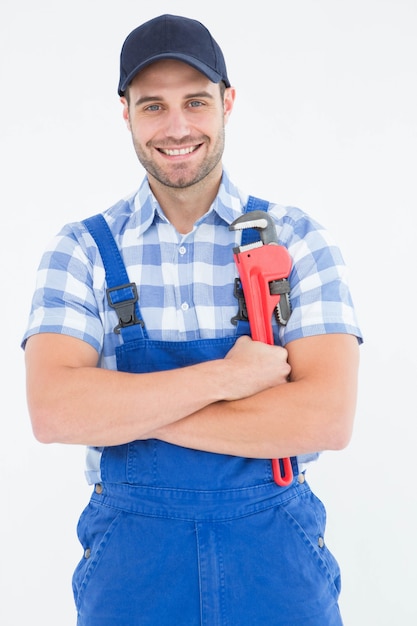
260	220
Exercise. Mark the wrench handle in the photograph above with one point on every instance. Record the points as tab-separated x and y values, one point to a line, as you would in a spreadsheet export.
283	476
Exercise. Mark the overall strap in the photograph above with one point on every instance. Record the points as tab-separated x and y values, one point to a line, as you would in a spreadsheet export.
250	235
122	295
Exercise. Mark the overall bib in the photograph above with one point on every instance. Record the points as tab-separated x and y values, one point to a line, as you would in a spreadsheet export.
180	537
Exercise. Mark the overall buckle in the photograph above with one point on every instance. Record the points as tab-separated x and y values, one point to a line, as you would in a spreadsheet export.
123	299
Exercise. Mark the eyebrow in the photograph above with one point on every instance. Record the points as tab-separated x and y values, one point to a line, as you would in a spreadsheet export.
191	96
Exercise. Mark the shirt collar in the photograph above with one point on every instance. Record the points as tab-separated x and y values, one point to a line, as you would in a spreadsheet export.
228	204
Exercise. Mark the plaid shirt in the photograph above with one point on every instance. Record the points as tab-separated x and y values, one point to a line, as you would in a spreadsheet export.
185	282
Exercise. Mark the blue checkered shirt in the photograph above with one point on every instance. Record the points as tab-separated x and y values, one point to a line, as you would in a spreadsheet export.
185	282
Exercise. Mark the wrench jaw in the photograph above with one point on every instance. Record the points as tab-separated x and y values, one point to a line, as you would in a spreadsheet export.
261	221
279	286
283	308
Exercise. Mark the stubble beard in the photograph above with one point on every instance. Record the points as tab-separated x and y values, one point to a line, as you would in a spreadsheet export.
179	176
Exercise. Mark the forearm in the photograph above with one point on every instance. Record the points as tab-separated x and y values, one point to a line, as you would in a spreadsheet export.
313	412
284	421
99	407
71	400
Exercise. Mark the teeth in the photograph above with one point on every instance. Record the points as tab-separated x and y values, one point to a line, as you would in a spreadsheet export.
178	151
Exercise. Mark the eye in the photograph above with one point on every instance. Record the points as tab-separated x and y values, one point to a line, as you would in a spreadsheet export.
195	104
153	107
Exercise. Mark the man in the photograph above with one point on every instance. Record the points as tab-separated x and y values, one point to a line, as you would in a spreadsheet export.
180	410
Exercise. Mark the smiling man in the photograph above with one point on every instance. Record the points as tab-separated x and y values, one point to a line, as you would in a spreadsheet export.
139	348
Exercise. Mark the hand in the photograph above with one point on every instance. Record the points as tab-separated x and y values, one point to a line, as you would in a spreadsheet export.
255	366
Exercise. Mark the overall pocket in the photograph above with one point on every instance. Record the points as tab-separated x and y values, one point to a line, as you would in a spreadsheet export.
96	527
306	515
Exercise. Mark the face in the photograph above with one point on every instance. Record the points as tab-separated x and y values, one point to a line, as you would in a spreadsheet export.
177	119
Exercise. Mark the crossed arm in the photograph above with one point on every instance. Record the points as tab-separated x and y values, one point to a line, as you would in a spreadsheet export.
241	405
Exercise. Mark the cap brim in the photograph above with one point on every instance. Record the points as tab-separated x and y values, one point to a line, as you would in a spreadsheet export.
211	74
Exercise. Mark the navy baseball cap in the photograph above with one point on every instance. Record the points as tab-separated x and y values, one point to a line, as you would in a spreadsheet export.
171	37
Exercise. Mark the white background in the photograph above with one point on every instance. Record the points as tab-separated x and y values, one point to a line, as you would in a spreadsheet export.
325	119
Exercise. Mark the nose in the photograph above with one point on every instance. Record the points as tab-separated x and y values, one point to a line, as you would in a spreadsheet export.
177	125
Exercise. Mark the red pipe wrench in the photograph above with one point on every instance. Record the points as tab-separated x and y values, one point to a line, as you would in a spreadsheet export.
264	267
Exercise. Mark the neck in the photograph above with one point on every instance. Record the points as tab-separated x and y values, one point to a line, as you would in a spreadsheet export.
183	207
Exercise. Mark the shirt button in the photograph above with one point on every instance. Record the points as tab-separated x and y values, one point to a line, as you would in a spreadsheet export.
185	306
321	542
301	478
87	553
182	250
98	488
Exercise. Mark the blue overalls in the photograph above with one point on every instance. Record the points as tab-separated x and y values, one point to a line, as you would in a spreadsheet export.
180	537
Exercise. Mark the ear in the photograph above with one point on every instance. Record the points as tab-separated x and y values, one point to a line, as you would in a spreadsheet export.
229	100
126	112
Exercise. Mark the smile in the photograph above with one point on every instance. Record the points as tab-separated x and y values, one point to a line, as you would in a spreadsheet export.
178	151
